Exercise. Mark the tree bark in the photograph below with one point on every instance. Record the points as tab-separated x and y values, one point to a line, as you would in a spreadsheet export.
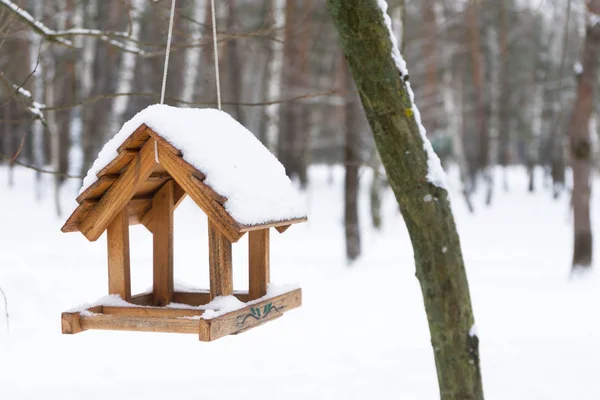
386	98
580	141
352	163
477	62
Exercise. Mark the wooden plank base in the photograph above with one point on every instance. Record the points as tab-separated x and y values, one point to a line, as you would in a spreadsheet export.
181	320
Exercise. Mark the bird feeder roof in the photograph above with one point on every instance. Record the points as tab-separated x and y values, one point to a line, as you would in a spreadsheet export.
211	157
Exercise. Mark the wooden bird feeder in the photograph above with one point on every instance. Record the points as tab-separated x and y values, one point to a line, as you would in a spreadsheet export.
144	184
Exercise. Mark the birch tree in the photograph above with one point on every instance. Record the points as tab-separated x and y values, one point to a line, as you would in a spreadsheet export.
414	173
35	48
126	70
274	71
453	115
191	66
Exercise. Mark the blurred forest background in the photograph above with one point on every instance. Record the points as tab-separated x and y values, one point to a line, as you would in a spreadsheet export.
495	82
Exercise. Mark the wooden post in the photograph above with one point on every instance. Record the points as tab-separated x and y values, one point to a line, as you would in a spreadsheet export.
117	238
258	264
163	206
219	259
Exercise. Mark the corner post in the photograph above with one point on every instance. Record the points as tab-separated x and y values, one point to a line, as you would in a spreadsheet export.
259	259
162	238
219	260
117	238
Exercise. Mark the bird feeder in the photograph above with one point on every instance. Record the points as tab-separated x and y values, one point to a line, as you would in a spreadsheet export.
157	159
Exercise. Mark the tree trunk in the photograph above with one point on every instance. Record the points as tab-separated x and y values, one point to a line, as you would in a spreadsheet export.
232	66
193	54
352	166
580	143
387	100
274	71
126	71
37	128
453	114
378	181
477	62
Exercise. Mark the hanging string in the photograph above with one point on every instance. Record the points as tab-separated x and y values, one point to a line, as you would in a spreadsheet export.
169	36
216	51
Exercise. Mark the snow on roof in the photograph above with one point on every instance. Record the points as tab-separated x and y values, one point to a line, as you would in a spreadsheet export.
235	162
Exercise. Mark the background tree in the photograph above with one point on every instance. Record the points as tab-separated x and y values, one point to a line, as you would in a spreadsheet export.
580	139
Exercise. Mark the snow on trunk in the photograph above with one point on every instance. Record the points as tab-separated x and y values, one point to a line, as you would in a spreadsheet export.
435	174
193	54
126	69
274	77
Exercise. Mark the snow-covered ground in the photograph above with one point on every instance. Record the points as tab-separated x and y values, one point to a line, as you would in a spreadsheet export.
361	333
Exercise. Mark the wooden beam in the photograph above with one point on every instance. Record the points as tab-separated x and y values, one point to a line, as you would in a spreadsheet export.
70	321
259	277
166	145
97	189
275	224
117	239
201	298
117	196
220	262
139	323
163	204
154	312
78	215
142	299
215	212
282	228
136	140
118	163
249	317
148	217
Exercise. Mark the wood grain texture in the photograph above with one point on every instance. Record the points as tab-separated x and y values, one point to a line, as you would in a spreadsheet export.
142	299
117	238
162	239
179	196
97	189
214	211
139	323
164	144
154	312
249	317
118	194
201	298
220	262
78	215
136	140
69	321
259	268
118	163
282	228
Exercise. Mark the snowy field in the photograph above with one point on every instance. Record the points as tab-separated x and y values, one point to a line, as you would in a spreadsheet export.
361	333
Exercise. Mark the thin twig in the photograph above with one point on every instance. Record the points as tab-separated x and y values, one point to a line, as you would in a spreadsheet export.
41	170
189	103
5	310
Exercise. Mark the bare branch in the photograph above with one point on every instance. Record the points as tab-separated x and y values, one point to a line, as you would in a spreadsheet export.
40	170
24	97
5	309
188	103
